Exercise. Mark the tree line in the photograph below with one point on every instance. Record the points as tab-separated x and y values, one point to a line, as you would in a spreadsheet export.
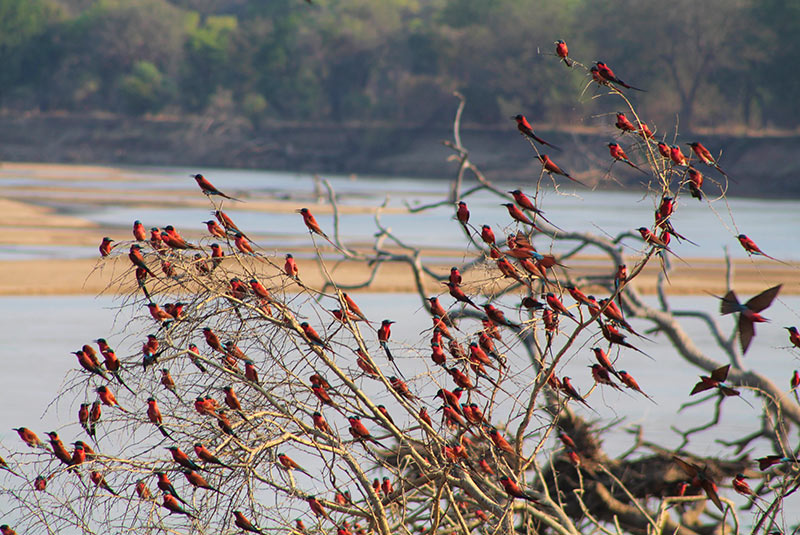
719	64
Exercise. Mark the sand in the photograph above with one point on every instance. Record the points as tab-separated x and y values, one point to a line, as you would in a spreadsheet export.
25	223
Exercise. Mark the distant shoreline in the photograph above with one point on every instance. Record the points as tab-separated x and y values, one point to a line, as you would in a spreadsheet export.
380	149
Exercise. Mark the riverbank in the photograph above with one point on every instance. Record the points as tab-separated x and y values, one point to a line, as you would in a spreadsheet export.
762	164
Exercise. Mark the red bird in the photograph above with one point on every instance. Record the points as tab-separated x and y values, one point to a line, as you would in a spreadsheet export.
171	503
353	307
749	312
741	486
311	223
227	222
250	372
518	215
360	432
154	415
794	336
525	202
316	507
497	316
137	259
663	150
105	246
242	244
716	380
500	442
321	424
677	156
455	276
139	233
214	229
209	189
512	489
29	437
182	459
243	523
290	267
608	75
751	247
100	481
624	124
527	130
568	389
462	214
107	397
701	480
628	380
558	306
705	156
205	455
602	358
550	166
487	235
619	155
212	340
645	132
695	182
601	375
196	480
563	52
313	337
459	295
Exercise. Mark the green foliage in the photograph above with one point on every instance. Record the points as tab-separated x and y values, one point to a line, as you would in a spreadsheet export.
718	62
143	90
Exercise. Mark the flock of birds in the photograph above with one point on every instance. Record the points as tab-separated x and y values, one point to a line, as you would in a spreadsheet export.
164	248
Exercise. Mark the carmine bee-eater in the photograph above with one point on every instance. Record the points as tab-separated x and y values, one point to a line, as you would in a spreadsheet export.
194	356
677	157
628	380
225	424
205	455
619	155
209	189
498	317
601	375
142	490
750	246
437	309
716	380
139	232
386	486
608	75
214	229
360	432
242	244
612	334
651	239
29	437
353	307
527	130
550	166
154	415
243	523
212	340
525	202
645	132
320	423
105	246
313	337
695	182
449	398
562	51
748	312
455	277
100	481
165	485
227	223
705	156
513	489
250	372
794	336
108	398
624	124
89	364
182	459
197	481
6	530
557	306
78	454
168	382
158	314
500	442
316	507
462	214
603	360
700	479
518	215
400	386
740	485
171	504
290	267
571	392
487	234
137	259
289	464
663	150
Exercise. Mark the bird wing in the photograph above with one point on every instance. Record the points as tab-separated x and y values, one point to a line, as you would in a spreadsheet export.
764	299
747	331
689	468
729	304
702	386
721	373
